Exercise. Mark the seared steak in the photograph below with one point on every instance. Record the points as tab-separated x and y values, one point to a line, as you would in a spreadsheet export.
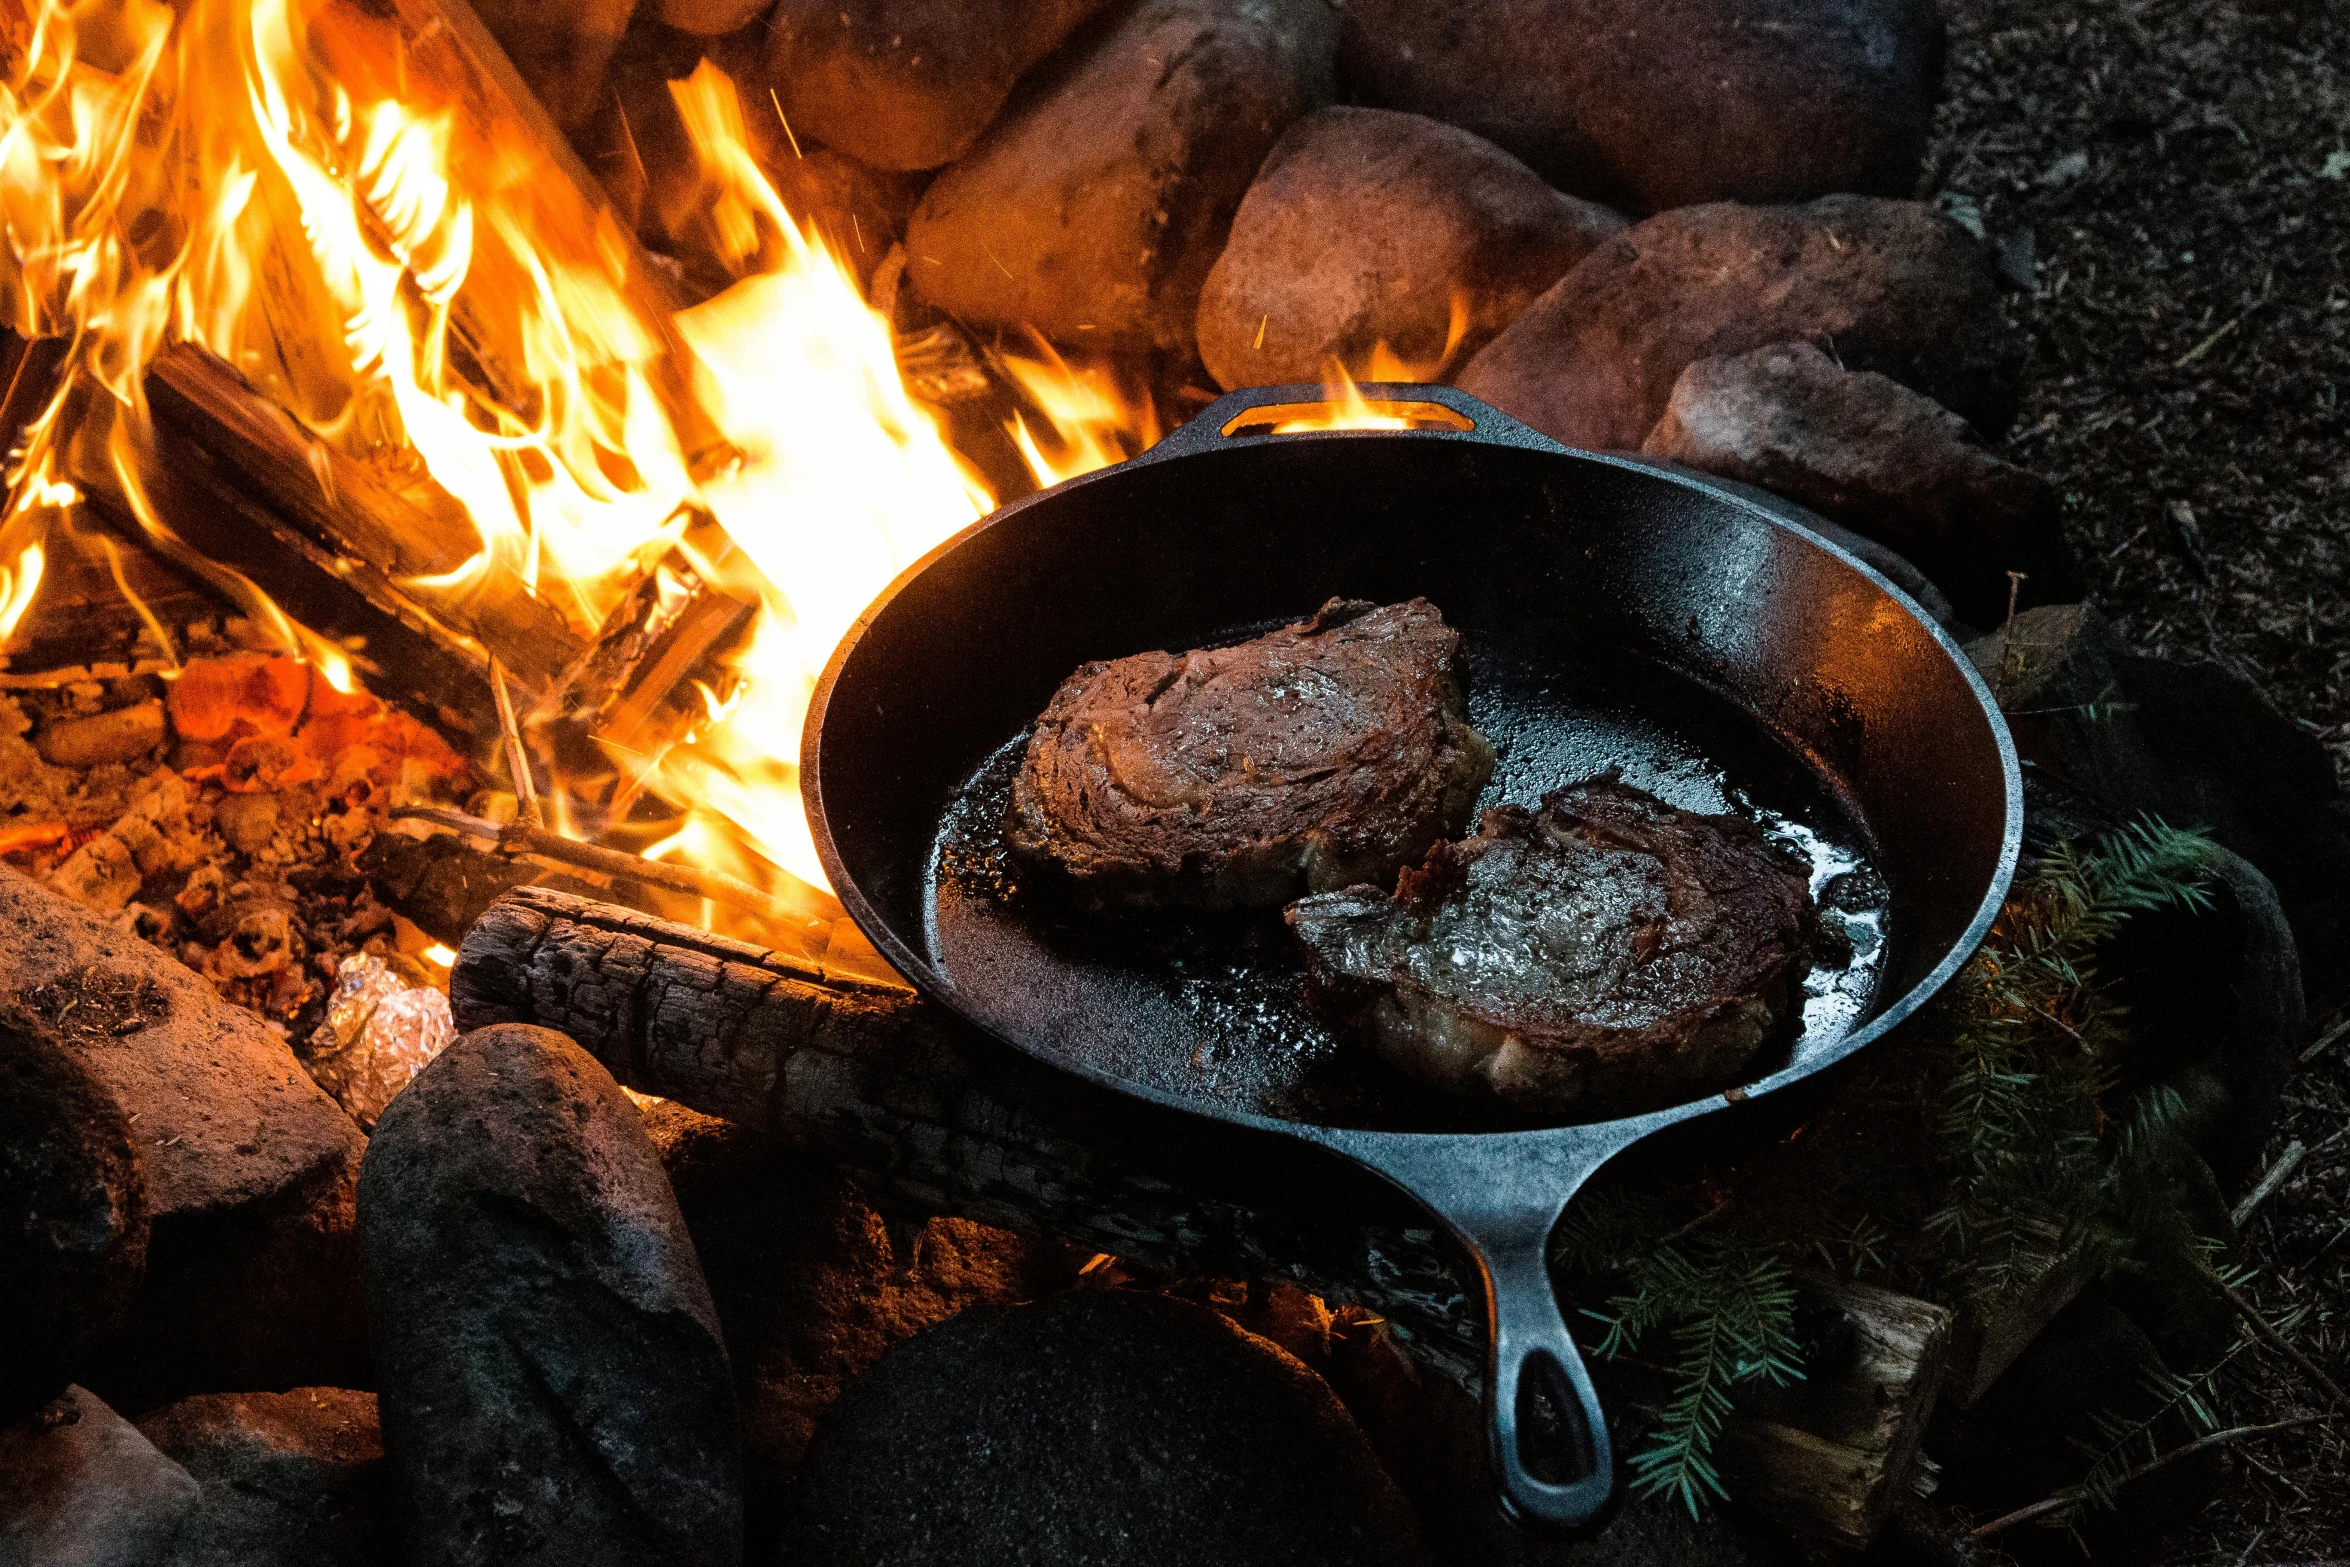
1606	952
1327	753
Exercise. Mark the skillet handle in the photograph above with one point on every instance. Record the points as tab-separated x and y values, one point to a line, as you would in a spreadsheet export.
1225	421
1501	1194
1531	1359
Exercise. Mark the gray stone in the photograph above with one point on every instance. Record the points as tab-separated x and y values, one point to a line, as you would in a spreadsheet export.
906	84
554	1387
2196	746
1666	103
73	1216
244	1167
812	1285
1093	209
1867	452
1890	286
1097	1426
80	1487
291	1479
1366	227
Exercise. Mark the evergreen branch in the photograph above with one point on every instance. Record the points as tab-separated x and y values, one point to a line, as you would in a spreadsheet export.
2109	1469
1733	1317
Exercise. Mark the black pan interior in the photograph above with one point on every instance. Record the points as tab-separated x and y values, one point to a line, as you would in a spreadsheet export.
1613	616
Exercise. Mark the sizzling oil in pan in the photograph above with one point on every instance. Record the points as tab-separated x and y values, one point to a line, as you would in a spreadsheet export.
1211	1007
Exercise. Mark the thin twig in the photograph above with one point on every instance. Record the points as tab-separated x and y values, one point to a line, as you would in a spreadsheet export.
2206	346
2278	1174
2277	1341
2063	1500
523	838
526	789
2326	1041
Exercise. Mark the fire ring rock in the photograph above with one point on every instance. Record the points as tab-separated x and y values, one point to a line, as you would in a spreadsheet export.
290	1479
1890	286
80	1487
73	1217
1097	1426
905	86
1865	451
242	1165
1368	227
1094	207
1666	103
552	1380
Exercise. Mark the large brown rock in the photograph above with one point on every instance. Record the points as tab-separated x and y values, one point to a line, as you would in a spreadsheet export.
1097	1426
1665	103
1367	227
552	1381
1890	286
73	1216
563	48
80	1487
1094	208
906	84
812	1285
226	1116
291	1479
243	1166
265	1296
1865	451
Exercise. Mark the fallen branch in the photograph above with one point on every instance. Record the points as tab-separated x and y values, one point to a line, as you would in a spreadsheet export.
2278	1342
2066	1499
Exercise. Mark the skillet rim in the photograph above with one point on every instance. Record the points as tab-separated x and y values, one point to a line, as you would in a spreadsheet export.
938	986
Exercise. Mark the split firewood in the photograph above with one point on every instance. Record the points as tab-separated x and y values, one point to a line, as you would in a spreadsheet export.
932	1118
1831	1456
1993	1334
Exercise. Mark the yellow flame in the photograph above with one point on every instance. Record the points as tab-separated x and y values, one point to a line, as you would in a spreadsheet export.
18	584
1344	408
282	184
1092	418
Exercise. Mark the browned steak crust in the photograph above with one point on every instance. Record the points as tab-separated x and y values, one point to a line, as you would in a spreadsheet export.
1604	953
1327	753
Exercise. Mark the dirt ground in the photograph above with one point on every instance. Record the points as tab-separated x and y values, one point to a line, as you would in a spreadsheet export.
2180	174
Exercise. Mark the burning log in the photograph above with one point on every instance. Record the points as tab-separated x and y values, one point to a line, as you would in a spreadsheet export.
925	1113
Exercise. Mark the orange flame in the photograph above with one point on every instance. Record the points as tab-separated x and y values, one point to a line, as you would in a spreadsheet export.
278	182
288	185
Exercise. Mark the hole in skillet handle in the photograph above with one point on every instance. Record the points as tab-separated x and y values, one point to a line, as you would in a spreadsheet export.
1552	1444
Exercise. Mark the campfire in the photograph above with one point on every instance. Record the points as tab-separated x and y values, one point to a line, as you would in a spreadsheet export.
449	450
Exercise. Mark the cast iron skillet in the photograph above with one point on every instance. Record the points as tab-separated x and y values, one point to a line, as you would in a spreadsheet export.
1615	613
